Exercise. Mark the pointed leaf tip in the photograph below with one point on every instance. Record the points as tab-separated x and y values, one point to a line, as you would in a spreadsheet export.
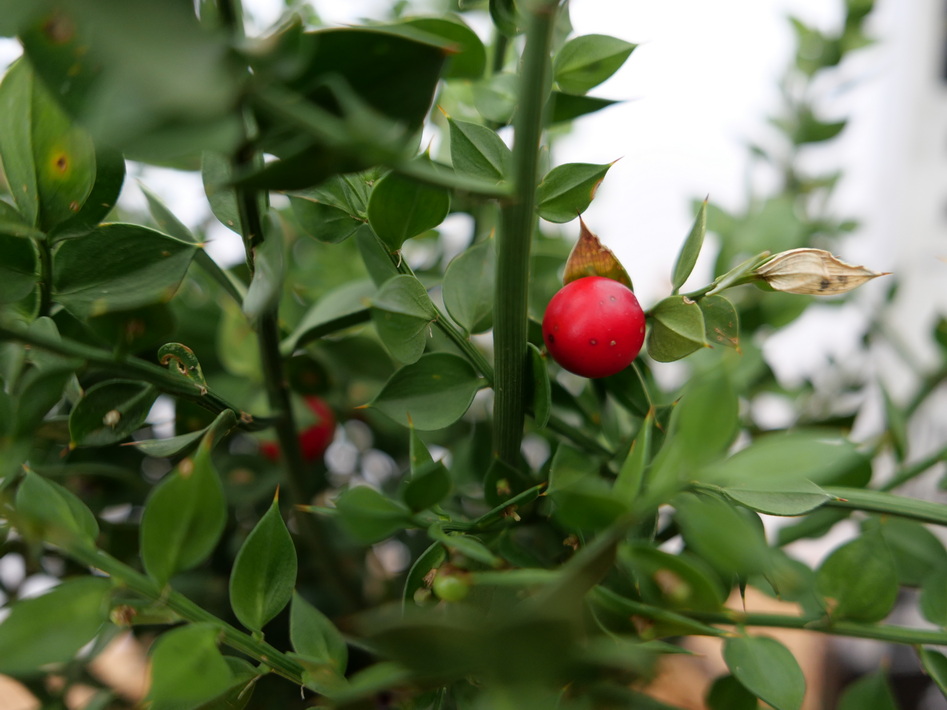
589	257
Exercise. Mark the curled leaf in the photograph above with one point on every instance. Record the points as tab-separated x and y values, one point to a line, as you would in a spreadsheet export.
589	257
812	272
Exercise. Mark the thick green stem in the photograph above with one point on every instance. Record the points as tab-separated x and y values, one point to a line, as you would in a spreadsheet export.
517	222
134	368
184	607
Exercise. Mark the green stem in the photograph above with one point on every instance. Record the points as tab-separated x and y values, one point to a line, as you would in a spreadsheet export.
908	473
517	222
263	652
134	368
923	511
822	624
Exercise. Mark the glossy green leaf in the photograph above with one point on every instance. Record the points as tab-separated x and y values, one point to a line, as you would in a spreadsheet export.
432	393
859	580
469	285
402	313
419	575
721	321
39	391
314	636
371	516
767	669
677	329
53	627
336	310
116	267
567	190
568	107
585	62
172	446
466	55
870	692
135	329
110	411
181	360
16	154
217	177
109	177
430	481
496	97
53	513
935	665
478	150
184	517
540	387
187	669
237	344
19	269
933	602
401	208
166	221
721	535
264	571
790	496
727	693
690	250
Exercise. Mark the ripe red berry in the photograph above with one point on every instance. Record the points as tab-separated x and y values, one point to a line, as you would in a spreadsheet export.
314	439
594	326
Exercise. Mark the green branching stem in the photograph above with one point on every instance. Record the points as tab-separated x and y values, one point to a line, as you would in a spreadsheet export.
517	222
139	583
134	368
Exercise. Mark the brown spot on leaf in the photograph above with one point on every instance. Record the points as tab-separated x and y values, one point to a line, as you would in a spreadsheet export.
58	29
61	162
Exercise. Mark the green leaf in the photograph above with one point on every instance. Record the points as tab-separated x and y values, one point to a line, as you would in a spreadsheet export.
631	475
416	580
568	107
184	517
53	513
181	360
109	177
187	669
429	485
690	250
935	665
172	446
496	96
237	344
217	177
468	287
336	310
585	62
859	579
266	285
467	545
790	496
479	151
110	411
916	550
541	387
264	571
727	693
117	267
19	269
567	190
933	603
322	221
402	313
767	669
371	516
164	218
432	393
243	681
98	60
721	322
679	581
401	208
314	636
16	154
505	16
677	329
53	627
721	535
467	57
870	692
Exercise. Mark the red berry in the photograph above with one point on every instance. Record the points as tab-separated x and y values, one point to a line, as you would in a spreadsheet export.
594	326
314	439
